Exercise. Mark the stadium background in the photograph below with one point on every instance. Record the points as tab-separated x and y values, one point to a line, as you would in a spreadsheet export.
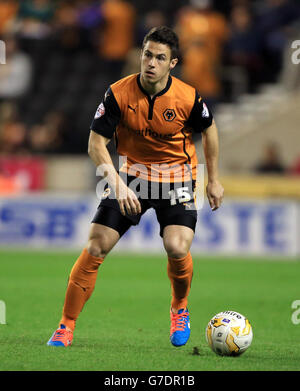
61	57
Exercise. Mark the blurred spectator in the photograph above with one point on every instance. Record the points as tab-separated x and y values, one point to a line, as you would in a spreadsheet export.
77	23
12	137
275	25
89	18
243	48
42	140
116	37
66	26
271	161
202	33
50	135
35	16
199	70
8	12
58	123
198	22
89	13
15	75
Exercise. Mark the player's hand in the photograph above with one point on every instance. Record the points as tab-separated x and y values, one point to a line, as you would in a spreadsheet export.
215	194
127	200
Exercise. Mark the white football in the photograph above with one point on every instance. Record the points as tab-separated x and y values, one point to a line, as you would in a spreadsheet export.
229	333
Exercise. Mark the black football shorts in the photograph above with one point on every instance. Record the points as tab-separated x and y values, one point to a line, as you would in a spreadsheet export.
173	204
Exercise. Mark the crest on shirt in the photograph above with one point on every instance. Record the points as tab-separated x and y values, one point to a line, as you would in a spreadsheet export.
205	112
169	114
100	111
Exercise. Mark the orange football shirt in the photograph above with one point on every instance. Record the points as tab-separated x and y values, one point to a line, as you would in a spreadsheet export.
155	135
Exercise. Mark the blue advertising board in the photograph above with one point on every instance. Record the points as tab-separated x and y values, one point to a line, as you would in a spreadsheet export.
238	227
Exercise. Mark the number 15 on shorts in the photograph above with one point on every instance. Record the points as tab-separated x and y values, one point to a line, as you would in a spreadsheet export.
181	194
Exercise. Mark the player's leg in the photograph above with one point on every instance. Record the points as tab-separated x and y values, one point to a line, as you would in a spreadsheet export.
107	227
84	273
177	241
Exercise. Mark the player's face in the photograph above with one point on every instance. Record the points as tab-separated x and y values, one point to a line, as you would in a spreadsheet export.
156	62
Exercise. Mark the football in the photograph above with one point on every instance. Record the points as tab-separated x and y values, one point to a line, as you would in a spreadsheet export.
229	333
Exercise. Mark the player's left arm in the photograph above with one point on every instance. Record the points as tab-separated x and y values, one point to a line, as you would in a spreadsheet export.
214	189
201	120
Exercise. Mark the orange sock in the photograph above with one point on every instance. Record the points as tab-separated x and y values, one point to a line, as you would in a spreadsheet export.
81	284
180	272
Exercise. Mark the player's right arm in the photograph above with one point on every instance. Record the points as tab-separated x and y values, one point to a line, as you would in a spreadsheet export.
102	129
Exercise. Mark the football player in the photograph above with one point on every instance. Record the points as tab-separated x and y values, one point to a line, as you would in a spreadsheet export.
152	117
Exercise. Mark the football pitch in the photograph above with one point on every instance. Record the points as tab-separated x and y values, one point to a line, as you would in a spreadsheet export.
125	325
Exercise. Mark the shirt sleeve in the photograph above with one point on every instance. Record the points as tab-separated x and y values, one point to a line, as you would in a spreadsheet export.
107	116
200	117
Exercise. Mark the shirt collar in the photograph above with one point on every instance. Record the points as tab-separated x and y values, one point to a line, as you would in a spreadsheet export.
167	87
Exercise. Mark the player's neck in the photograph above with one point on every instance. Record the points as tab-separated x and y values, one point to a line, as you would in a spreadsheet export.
154	88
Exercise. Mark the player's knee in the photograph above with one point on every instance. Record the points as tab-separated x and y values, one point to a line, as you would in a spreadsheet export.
97	247
177	247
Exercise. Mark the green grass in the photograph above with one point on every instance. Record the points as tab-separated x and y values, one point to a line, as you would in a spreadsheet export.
125	324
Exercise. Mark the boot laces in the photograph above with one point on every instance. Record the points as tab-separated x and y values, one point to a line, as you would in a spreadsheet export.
178	321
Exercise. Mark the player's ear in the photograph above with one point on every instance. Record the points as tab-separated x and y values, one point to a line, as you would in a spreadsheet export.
173	63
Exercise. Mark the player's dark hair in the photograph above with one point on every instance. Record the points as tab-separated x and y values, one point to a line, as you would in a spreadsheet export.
165	35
